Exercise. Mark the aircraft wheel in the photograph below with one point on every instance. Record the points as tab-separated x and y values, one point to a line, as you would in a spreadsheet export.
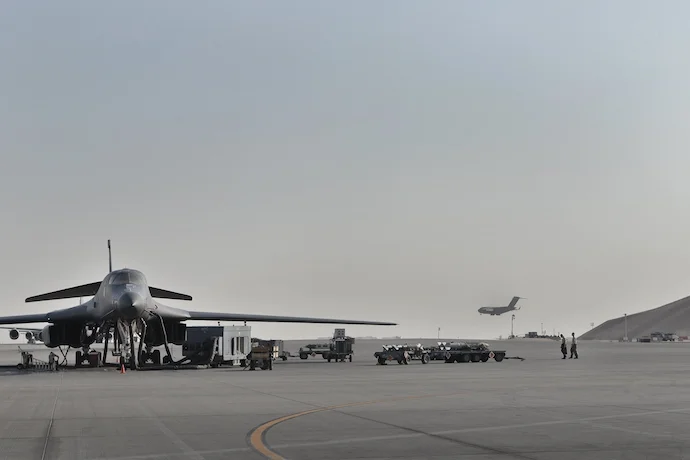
156	357
350	358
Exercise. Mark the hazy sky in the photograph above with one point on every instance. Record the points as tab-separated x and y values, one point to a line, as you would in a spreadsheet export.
407	161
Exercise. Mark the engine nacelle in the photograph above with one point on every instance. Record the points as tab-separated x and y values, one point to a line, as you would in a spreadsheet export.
46	338
14	334
55	335
176	333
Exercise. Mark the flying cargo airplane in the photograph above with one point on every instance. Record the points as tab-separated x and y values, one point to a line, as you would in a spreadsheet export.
125	302
493	311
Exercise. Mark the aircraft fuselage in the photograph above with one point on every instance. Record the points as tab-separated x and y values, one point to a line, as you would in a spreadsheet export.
123	294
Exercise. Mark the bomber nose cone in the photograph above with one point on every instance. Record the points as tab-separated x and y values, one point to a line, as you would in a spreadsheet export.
131	305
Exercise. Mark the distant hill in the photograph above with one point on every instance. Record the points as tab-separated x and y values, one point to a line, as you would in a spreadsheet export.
673	317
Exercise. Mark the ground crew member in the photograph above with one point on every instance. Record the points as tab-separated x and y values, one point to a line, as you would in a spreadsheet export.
53	361
573	347
564	348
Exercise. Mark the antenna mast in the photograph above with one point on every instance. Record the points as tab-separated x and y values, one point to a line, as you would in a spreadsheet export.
110	259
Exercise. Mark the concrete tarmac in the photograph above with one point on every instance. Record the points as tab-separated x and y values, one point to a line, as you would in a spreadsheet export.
617	402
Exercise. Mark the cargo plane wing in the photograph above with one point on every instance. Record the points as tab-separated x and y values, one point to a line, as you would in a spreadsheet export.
124	302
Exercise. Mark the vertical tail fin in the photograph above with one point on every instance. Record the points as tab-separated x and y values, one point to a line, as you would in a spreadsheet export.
514	301
110	259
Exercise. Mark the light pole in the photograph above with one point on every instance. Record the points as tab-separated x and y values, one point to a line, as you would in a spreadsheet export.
625	337
512	320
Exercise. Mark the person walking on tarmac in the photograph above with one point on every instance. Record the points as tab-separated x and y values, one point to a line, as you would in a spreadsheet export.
564	349
573	347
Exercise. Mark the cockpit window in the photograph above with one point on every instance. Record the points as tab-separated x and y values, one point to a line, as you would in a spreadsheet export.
128	278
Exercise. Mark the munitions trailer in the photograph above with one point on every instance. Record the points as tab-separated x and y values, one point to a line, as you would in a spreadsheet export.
464	352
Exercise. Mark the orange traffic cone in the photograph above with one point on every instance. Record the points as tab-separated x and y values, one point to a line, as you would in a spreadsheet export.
122	369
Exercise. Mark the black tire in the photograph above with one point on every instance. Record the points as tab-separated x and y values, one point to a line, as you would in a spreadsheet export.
284	358
425	359
475	358
499	357
485	358
464	358
350	358
382	361
303	356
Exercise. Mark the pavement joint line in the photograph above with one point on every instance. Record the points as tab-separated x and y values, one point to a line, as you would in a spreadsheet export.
52	417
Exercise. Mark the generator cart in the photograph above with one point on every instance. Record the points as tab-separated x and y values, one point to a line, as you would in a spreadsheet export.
340	348
261	355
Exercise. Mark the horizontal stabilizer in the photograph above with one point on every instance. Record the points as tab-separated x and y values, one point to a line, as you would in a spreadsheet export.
163	294
85	290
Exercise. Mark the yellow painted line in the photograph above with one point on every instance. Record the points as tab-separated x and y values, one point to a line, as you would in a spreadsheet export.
257	437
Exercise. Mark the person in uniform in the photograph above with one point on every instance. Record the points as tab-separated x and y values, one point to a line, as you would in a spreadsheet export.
564	349
573	347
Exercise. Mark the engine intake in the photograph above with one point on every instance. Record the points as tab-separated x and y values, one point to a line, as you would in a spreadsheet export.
14	334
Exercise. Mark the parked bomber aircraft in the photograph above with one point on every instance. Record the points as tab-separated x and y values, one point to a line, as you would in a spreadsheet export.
125	302
493	311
